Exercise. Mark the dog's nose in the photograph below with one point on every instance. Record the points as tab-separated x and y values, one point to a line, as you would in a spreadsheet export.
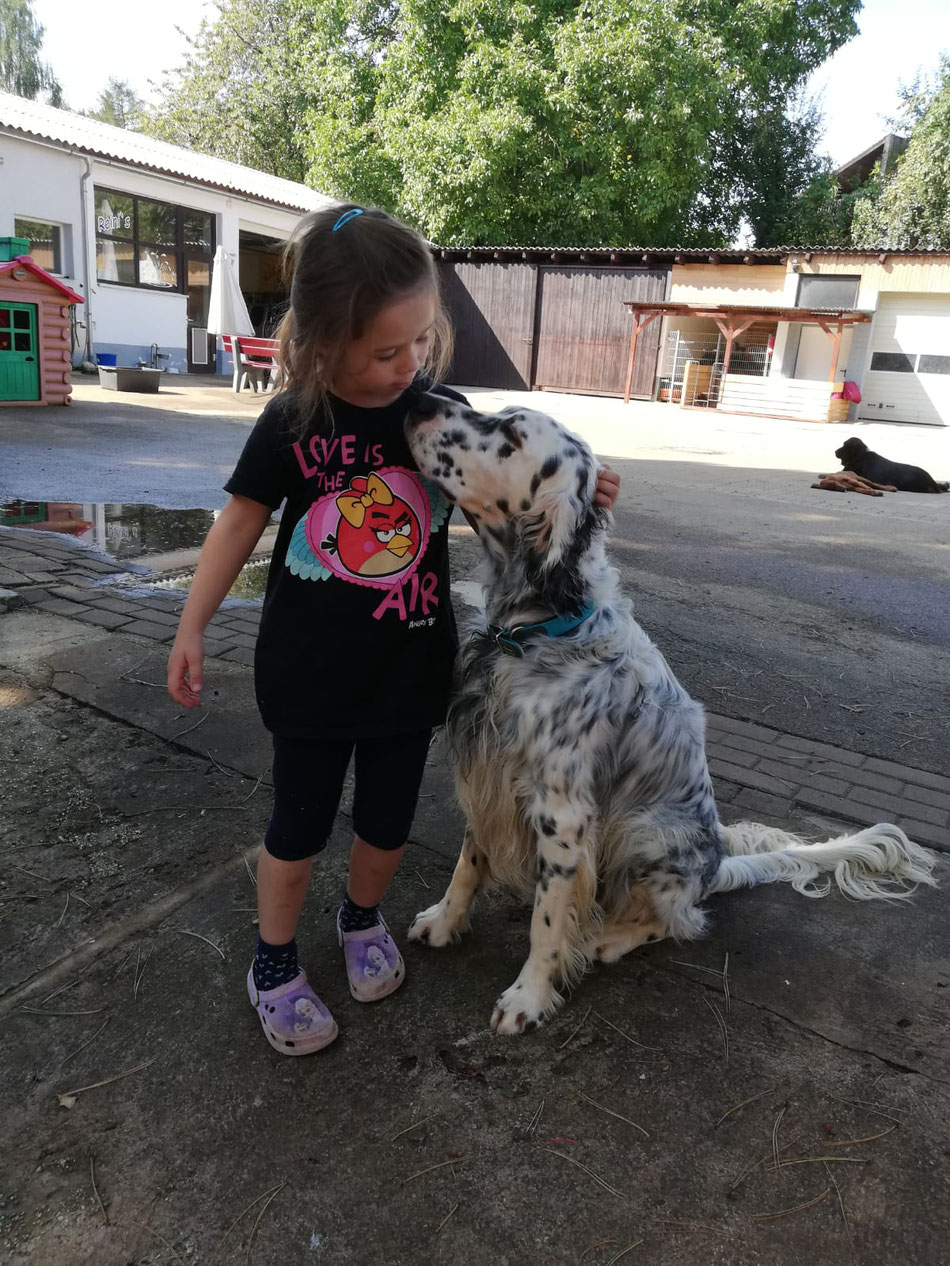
424	406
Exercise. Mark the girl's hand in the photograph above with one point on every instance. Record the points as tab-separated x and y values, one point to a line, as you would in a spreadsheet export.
608	488
186	669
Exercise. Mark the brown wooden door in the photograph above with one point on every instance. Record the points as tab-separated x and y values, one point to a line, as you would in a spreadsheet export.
492	309
583	329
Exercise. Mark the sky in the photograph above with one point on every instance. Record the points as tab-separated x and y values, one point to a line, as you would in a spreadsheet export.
87	44
858	86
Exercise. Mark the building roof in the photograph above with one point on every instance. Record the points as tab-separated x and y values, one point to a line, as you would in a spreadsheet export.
27	262
846	316
630	256
102	140
856	170
663	256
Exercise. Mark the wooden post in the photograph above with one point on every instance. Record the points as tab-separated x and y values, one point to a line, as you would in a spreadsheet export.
835	336
835	351
640	321
727	357
634	335
734	326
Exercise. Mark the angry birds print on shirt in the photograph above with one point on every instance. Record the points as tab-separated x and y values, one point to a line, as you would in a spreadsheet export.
378	532
375	532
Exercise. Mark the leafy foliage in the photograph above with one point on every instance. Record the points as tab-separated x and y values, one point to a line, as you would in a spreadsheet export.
119	105
911	209
21	69
789	189
586	121
239	94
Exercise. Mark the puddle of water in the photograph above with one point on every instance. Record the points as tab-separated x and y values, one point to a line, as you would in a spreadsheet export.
250	583
120	531
126	531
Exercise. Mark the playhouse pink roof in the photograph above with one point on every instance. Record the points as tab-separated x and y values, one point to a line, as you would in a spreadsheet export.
26	261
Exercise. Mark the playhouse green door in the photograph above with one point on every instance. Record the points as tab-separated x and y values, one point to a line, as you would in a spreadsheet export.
19	362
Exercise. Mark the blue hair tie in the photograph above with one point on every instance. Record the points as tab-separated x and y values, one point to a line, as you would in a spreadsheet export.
346	217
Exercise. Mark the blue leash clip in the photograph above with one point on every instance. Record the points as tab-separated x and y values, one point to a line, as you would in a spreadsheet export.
504	639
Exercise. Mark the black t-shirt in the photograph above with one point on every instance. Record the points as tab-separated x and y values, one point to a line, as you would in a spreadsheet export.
357	634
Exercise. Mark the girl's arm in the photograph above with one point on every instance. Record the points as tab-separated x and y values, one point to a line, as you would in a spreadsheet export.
226	549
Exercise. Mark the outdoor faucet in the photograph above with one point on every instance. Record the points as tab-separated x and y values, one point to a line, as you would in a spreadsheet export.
153	356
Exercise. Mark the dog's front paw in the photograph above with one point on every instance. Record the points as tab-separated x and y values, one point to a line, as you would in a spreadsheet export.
435	926
522	1007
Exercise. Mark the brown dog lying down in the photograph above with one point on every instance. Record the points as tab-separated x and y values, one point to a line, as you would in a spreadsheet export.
848	481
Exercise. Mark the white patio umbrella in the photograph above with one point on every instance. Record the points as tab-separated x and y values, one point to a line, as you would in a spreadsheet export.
227	311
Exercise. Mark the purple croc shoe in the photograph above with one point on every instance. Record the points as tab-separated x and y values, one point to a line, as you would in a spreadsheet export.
374	967
293	1018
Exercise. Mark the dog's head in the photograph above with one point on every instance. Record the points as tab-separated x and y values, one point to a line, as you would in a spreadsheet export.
850	450
526	480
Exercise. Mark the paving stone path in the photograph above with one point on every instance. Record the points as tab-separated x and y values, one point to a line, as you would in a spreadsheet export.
755	768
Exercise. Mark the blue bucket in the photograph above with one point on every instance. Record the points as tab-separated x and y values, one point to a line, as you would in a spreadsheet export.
105	358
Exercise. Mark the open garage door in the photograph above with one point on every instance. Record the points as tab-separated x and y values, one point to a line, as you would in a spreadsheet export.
260	281
908	379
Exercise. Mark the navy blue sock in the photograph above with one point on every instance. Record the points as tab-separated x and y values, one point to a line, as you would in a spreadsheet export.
354	918
274	965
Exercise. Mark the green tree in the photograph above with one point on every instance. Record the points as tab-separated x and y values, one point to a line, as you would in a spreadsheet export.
911	208
240	92
789	192
21	69
501	121
119	105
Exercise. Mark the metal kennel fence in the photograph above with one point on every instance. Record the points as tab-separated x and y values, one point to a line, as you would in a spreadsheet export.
691	364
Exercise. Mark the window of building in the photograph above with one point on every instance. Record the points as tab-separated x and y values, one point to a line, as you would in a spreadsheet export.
46	244
141	242
828	291
894	362
934	365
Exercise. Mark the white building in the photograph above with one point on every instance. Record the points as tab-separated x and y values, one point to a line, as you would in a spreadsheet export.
132	223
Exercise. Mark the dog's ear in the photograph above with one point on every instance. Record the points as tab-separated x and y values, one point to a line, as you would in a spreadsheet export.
511	434
556	535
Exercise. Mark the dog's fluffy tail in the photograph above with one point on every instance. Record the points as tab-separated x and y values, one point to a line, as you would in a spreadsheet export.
877	862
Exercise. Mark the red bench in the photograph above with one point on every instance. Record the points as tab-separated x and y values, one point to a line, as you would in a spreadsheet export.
255	365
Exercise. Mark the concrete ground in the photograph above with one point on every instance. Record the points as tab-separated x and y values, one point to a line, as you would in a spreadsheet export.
777	1093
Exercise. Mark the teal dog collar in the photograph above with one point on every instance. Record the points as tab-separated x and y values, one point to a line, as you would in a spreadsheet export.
511	640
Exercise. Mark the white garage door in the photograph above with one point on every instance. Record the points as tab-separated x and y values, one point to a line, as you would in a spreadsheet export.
908	378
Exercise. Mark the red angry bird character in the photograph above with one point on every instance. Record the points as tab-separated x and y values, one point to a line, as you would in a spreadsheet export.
379	533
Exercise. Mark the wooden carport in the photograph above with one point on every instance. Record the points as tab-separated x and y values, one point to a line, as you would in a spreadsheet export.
733	319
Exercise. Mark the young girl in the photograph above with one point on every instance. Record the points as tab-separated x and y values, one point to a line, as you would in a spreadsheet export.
357	635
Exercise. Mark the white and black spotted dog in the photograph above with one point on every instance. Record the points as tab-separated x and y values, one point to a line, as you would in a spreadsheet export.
579	758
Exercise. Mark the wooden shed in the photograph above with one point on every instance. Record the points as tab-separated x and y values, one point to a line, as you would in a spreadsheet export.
538	318
35	348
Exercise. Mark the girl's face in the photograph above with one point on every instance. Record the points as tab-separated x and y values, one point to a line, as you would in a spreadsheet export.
378	367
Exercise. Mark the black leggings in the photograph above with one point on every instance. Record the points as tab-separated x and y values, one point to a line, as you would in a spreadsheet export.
308	783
